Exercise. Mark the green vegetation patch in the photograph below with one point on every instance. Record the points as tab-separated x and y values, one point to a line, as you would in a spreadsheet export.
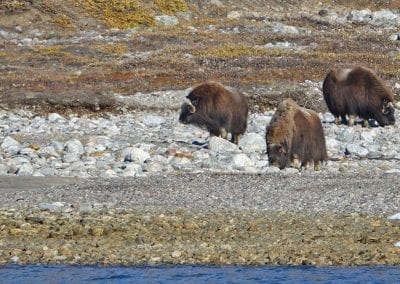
232	51
53	51
171	6
117	48
121	14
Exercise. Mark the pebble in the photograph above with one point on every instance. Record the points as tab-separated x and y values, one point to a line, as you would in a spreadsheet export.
154	142
394	216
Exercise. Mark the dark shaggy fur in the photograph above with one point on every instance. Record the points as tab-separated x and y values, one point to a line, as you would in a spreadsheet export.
220	110
358	91
295	137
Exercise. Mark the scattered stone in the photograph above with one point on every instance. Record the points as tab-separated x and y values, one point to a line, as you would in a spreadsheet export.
220	145
360	15
284	29
10	145
26	169
241	161
165	20
394	217
359	151
153	120
234	15
132	170
133	154
252	142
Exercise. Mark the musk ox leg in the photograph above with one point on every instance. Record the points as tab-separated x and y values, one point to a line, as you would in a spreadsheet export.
352	119
341	119
317	165
296	163
224	133
365	123
235	138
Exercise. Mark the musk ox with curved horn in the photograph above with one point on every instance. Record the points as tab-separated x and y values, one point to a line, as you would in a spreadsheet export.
219	109
295	137
358	91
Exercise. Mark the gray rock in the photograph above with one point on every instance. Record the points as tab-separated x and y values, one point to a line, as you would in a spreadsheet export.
252	142
71	157
272	169
360	15
220	145
284	29
369	135
134	154
234	15
328	118
48	151
153	167
74	146
394	216
393	171
3	169
132	170
10	145
153	120
346	134
166	20
56	207
25	169
55	117
356	150
241	161
384	17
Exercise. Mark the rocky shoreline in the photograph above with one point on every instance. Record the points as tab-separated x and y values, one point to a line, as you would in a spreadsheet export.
96	169
206	219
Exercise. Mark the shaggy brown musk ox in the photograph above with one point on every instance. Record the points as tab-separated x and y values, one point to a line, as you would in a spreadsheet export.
358	91
295	137
219	109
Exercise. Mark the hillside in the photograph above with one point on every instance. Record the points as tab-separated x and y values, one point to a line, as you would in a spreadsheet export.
76	55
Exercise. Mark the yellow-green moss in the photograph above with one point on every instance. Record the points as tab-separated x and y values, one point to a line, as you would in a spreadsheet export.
171	6
120	14
231	51
117	48
53	51
63	21
2	54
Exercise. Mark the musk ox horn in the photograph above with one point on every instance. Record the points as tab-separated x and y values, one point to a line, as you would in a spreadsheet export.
192	107
387	106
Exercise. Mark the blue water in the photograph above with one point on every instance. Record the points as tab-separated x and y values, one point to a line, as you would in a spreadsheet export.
197	274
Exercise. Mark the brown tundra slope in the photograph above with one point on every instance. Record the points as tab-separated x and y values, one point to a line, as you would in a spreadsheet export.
75	55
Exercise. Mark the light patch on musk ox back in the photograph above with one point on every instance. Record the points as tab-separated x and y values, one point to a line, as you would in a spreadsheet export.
342	74
305	112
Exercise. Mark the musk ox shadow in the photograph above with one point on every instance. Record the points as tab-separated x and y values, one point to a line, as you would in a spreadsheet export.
295	137
219	109
358	91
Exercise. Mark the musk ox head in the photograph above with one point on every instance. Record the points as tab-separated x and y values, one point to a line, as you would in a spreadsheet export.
187	112
278	155
386	117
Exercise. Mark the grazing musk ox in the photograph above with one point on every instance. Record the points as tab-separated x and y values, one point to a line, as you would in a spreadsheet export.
295	137
220	110
358	91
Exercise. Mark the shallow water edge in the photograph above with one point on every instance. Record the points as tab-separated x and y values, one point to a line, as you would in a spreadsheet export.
188	274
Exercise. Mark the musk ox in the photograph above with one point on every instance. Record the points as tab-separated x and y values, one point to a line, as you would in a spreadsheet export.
219	109
358	91
295	137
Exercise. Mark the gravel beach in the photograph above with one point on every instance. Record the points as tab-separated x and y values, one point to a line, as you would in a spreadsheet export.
313	219
96	169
